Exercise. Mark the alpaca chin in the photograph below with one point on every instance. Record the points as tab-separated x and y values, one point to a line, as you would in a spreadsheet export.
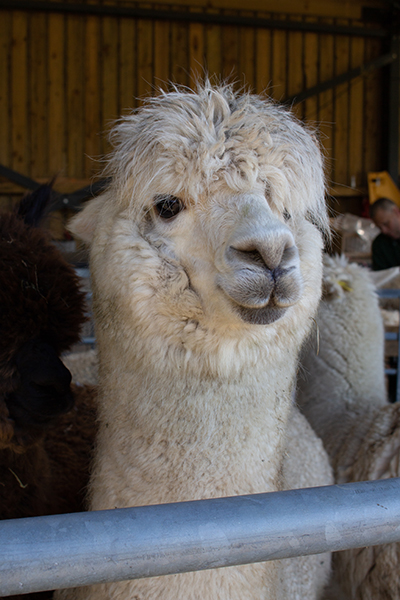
260	316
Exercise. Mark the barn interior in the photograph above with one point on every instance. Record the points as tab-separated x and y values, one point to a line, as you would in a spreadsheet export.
70	68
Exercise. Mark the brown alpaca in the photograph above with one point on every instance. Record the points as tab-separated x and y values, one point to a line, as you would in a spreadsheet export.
47	426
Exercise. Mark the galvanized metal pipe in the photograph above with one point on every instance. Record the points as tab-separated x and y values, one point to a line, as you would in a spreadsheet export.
79	549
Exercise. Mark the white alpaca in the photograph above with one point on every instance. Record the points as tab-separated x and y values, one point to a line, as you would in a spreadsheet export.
342	393
342	379
206	273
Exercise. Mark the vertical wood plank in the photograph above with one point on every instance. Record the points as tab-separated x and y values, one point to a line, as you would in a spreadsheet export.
162	53
247	71
263	58
92	95
229	51
213	65
325	100
279	64
5	95
38	109
19	93
109	67
109	74
197	50
75	90
341	95
356	116
373	111
144	56
127	64
310	73
295	78
179	53
57	93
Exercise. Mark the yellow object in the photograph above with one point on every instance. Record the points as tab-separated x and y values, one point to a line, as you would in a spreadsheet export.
381	185
345	285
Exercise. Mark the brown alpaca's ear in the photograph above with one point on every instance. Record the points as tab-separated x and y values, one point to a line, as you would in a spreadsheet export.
83	225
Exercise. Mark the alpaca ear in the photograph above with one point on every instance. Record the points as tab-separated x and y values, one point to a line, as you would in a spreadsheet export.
83	225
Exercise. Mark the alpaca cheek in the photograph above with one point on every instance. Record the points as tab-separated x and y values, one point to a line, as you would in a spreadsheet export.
309	243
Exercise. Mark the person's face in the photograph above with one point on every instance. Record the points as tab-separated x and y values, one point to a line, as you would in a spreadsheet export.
388	221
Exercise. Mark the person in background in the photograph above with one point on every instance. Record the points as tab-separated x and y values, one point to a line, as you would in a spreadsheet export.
386	246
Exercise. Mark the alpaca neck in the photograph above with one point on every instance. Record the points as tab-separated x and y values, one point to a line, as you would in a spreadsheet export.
188	437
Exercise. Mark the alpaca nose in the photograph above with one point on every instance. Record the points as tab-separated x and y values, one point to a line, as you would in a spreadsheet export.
260	268
275	252
38	365
43	391
259	238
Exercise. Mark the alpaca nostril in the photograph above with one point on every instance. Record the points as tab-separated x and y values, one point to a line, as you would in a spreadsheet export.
289	255
248	256
52	387
57	378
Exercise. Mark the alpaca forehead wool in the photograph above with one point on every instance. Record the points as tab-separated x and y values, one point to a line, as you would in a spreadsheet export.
193	144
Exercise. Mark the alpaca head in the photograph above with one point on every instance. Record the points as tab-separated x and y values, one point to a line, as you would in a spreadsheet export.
348	284
208	238
350	309
41	312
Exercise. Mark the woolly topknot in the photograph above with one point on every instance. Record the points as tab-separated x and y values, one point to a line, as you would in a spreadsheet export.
340	277
193	143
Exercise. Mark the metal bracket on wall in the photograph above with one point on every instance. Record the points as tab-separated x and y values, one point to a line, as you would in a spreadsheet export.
381	61
72	201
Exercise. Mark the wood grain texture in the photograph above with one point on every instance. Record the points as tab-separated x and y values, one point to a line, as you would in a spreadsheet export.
65	77
19	93
5	99
56	120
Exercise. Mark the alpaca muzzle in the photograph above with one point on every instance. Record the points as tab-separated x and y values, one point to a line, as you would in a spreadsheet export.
43	389
262	271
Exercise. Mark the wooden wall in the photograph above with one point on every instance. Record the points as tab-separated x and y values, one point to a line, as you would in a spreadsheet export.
65	77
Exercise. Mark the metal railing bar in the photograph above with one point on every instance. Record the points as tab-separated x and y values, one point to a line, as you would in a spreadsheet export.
61	551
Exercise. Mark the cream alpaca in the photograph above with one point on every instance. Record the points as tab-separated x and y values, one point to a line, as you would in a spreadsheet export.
342	393
206	272
343	383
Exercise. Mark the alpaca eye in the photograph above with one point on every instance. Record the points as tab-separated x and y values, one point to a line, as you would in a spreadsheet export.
286	215
168	206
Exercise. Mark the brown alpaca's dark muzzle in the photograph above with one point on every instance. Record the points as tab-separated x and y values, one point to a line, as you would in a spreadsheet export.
43	389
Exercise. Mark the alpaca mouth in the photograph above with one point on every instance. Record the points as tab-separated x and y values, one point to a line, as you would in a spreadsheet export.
262	297
260	316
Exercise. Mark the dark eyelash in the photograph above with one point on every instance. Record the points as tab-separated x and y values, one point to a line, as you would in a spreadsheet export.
167	206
